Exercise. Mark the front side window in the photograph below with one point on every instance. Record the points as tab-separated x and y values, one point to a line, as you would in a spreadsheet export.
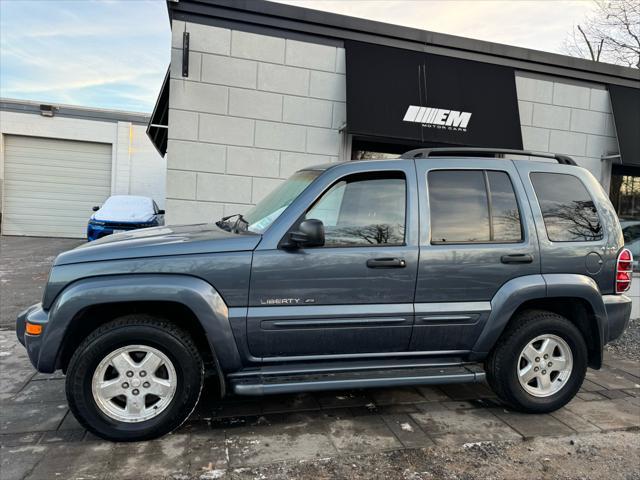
567	208
363	210
473	206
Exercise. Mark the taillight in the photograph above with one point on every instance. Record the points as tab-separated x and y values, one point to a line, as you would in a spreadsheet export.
624	268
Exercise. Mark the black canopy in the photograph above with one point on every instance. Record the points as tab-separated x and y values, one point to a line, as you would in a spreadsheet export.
158	127
625	102
427	98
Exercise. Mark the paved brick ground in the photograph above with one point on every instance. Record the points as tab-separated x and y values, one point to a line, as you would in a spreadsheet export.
40	439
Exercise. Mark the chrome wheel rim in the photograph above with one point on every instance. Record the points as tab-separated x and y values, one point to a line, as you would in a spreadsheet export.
134	383
544	365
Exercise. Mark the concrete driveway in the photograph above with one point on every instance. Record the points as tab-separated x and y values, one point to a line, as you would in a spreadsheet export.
456	431
24	267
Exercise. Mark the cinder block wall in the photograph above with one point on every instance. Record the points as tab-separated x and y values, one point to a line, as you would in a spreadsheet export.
564	116
253	110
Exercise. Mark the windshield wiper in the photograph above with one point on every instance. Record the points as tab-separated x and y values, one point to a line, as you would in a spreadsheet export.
226	225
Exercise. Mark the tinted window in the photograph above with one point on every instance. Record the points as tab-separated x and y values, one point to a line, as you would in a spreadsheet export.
461	212
361	211
459	207
568	210
505	215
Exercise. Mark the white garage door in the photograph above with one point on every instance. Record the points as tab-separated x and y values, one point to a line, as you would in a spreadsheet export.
50	185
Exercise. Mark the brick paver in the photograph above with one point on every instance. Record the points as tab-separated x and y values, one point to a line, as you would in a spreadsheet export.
40	438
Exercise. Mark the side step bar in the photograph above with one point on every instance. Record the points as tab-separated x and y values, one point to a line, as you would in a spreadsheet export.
275	384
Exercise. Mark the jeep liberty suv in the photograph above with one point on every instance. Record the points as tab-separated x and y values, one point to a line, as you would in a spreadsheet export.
442	266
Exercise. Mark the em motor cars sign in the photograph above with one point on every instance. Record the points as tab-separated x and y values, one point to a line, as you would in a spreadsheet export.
418	98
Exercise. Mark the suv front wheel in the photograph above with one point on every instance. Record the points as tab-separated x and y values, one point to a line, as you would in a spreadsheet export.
135	378
539	363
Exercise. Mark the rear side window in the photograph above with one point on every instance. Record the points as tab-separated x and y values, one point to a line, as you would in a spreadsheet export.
473	206
567	208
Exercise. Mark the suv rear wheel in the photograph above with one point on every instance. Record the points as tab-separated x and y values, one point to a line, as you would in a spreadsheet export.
539	363
135	378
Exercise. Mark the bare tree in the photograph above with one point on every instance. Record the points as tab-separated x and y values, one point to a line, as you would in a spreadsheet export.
611	34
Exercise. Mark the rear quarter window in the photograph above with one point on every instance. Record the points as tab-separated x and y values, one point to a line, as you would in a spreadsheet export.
567	208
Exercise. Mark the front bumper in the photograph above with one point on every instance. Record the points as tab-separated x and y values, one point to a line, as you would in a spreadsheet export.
618	309
96	231
33	343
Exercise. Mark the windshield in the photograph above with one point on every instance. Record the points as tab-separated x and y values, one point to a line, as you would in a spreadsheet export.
260	217
125	208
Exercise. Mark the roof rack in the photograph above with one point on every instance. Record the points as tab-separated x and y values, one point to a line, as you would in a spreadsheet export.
495	152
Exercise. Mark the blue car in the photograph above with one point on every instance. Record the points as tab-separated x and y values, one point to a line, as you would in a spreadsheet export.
121	213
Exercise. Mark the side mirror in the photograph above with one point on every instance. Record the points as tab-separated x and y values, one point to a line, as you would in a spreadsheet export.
160	212
310	233
96	208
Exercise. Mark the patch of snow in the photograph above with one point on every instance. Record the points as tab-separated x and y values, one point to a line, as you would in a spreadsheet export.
213	474
476	444
406	427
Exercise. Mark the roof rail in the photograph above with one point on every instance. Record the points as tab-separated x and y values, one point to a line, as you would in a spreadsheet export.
496	152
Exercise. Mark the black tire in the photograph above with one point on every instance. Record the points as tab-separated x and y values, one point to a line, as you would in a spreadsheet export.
501	365
146	330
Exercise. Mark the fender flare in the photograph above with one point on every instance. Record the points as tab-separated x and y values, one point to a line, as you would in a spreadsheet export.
503	305
534	287
199	296
584	287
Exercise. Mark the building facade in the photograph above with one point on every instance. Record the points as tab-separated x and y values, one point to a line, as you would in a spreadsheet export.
57	162
252	110
258	90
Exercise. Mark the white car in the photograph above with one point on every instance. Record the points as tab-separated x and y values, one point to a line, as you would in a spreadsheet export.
123	212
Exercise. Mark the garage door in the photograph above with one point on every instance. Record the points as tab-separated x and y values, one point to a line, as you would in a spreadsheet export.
50	185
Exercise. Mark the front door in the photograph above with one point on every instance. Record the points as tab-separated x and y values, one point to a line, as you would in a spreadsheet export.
477	233
354	296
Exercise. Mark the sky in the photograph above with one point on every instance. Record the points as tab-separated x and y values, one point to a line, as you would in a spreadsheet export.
114	53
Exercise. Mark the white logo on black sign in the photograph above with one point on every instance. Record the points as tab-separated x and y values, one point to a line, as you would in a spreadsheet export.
440	118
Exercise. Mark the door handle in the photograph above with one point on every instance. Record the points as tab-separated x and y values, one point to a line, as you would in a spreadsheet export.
517	258
386	263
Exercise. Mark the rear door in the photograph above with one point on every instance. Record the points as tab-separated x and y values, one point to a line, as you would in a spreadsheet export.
354	296
477	233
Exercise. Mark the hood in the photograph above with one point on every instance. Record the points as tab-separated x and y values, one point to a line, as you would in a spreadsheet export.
161	241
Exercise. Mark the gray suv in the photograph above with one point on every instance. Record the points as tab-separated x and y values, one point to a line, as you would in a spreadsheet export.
442	266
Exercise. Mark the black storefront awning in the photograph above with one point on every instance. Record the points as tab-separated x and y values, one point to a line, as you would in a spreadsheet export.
158	128
425	98
625	103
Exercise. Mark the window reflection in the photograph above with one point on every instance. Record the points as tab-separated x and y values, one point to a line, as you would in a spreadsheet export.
363	210
568	211
459	207
625	195
505	215
461	212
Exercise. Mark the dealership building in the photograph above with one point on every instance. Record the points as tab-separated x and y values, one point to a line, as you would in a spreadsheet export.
257	90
